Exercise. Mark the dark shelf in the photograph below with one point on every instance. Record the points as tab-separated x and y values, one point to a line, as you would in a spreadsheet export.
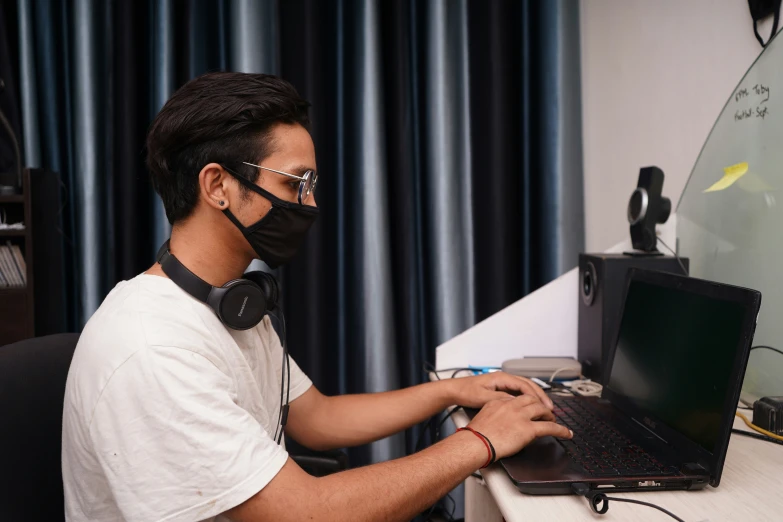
13	290
12	233
17	304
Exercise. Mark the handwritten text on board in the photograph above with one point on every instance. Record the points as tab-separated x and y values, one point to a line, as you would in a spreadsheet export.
758	96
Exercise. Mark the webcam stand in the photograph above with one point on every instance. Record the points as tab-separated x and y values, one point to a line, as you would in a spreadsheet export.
643	253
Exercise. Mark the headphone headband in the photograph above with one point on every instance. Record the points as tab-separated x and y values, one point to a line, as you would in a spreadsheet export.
240	304
181	275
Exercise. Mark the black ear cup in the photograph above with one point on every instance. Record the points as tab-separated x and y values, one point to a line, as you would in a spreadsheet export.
268	284
241	304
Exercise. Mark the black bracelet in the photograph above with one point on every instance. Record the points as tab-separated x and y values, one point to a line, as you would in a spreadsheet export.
491	447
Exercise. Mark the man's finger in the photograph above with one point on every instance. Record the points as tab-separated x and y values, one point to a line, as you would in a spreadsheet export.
535	388
499	396
538	411
515	383
526	400
524	386
543	429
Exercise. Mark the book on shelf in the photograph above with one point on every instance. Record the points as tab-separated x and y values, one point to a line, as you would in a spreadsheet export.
13	269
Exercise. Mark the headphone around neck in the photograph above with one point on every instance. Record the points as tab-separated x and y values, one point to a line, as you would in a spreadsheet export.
240	304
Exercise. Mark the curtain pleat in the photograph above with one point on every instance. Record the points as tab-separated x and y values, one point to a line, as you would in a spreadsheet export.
197	31
340	196
163	85
89	132
524	143
53	126
557	130
312	302
131	101
448	165
106	118
46	58
28	84
65	114
404	196
253	36
222	35
570	206
369	223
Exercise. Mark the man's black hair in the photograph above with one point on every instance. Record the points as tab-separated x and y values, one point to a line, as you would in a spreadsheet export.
220	117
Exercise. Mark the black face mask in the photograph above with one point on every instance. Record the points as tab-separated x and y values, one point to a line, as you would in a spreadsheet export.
277	236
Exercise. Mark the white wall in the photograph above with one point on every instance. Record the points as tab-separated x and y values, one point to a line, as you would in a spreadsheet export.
655	76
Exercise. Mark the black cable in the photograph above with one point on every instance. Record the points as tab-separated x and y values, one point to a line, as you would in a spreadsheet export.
596	499
457	370
758	436
287	381
428	516
282	413
428	367
600	498
761	346
422	433
420	440
443	421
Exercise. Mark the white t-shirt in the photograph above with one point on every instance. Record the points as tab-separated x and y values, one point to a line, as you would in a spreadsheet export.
168	414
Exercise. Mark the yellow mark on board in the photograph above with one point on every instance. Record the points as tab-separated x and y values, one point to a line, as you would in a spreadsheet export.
730	175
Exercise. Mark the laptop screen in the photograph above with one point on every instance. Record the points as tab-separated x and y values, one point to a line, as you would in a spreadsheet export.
674	358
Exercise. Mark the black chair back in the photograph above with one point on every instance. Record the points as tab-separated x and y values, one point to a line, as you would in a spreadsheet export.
32	387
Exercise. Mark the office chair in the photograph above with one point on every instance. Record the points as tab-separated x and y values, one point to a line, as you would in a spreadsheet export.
317	463
32	387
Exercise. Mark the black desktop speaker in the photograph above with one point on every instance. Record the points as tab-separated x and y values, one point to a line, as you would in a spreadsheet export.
601	285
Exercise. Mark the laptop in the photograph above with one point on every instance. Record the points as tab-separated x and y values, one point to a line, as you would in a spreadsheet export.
665	413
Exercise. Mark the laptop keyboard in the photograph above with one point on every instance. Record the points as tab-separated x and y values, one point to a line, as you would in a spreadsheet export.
600	449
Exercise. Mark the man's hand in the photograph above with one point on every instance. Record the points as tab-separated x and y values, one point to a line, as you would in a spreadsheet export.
513	423
475	392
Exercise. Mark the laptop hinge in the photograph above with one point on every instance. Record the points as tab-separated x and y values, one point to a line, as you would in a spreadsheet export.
694	468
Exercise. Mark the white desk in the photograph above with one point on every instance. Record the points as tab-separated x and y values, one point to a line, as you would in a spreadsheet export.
750	491
546	323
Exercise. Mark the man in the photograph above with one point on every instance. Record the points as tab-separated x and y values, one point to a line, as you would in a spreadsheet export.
171	415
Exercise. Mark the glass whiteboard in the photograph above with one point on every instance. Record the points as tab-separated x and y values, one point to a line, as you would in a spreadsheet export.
730	216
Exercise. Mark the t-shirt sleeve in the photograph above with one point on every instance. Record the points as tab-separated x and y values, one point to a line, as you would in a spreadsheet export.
174	444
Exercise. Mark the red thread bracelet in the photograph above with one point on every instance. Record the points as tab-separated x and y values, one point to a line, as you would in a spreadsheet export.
486	444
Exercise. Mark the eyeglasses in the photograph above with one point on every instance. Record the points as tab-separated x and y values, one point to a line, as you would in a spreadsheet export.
307	181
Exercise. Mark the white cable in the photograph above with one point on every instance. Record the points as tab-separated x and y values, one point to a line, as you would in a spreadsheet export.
552	378
584	387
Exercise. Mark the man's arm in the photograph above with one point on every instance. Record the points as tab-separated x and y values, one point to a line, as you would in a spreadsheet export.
398	490
320	422
394	490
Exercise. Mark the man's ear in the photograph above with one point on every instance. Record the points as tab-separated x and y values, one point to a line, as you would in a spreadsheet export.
215	187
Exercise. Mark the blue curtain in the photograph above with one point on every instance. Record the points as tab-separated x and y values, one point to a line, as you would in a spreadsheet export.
448	136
